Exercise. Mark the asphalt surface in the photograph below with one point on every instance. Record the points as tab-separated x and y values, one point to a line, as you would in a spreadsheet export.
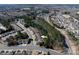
71	49
30	48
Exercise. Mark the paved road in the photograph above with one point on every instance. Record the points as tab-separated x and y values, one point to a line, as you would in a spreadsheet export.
33	47
30	48
36	33
8	35
72	48
28	31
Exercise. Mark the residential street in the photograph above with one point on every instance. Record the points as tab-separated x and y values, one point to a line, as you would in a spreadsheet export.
29	48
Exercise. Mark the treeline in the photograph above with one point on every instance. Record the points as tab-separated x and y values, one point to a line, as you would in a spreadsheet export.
54	37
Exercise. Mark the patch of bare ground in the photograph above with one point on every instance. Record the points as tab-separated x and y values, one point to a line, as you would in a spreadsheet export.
74	45
59	49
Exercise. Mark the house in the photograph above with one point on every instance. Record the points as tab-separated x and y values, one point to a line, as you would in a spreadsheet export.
2	27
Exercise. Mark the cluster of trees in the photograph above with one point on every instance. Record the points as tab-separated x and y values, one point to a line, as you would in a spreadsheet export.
66	12
21	35
6	23
45	11
54	36
13	40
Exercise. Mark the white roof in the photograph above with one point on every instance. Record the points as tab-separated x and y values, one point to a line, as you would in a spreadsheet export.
66	16
44	36
77	12
2	27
